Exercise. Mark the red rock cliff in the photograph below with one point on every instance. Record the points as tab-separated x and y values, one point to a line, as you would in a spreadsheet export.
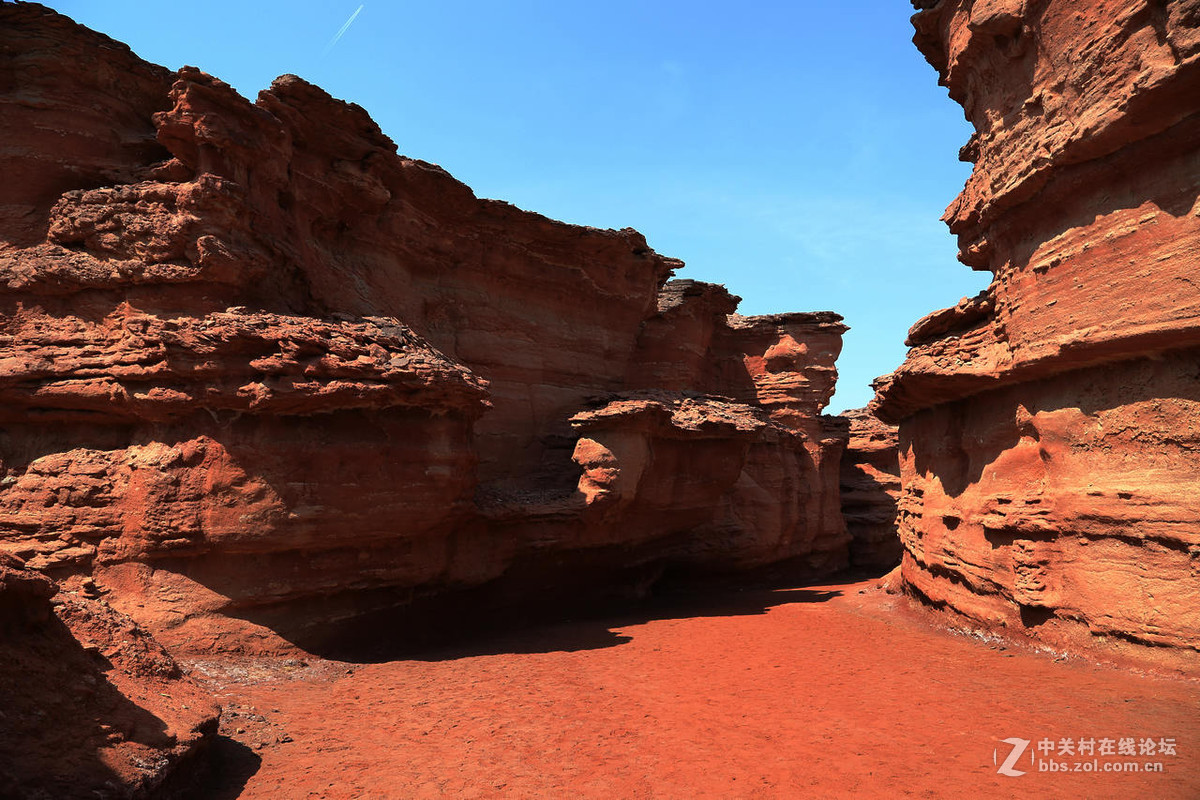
1050	427
261	375
870	480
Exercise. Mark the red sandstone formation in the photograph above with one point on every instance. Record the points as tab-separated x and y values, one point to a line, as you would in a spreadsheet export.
88	701
752	476
870	483
1049	433
262	376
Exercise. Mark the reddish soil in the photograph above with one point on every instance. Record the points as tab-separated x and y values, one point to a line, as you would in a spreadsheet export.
830	691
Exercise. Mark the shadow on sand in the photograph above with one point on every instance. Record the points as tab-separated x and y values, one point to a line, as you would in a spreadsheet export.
225	768
558	627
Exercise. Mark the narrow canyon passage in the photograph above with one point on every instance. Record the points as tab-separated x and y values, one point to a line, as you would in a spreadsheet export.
826	691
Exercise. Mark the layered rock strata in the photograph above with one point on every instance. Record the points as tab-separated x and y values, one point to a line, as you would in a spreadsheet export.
262	376
1050	427
870	481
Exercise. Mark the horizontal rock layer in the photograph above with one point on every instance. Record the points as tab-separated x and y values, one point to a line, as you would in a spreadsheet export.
1047	426
870	486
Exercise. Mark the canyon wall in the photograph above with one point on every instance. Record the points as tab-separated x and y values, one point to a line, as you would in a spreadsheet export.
263	377
870	487
1050	426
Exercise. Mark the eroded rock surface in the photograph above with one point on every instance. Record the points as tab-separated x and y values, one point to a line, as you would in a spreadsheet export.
91	705
263	377
1049	427
870	487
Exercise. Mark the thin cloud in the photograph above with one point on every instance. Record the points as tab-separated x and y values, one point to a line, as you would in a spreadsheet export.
342	31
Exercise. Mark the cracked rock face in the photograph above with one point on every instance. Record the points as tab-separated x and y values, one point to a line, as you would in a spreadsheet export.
1049	427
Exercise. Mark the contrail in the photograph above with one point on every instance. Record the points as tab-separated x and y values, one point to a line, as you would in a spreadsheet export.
342	31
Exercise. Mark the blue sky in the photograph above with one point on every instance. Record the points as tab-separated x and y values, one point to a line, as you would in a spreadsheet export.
800	153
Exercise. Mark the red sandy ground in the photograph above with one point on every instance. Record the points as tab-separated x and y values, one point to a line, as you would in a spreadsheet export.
818	692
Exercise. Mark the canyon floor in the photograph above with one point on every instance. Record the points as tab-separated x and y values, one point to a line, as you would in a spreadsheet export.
834	690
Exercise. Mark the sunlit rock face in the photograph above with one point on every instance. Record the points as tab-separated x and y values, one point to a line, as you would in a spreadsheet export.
263	377
1050	427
